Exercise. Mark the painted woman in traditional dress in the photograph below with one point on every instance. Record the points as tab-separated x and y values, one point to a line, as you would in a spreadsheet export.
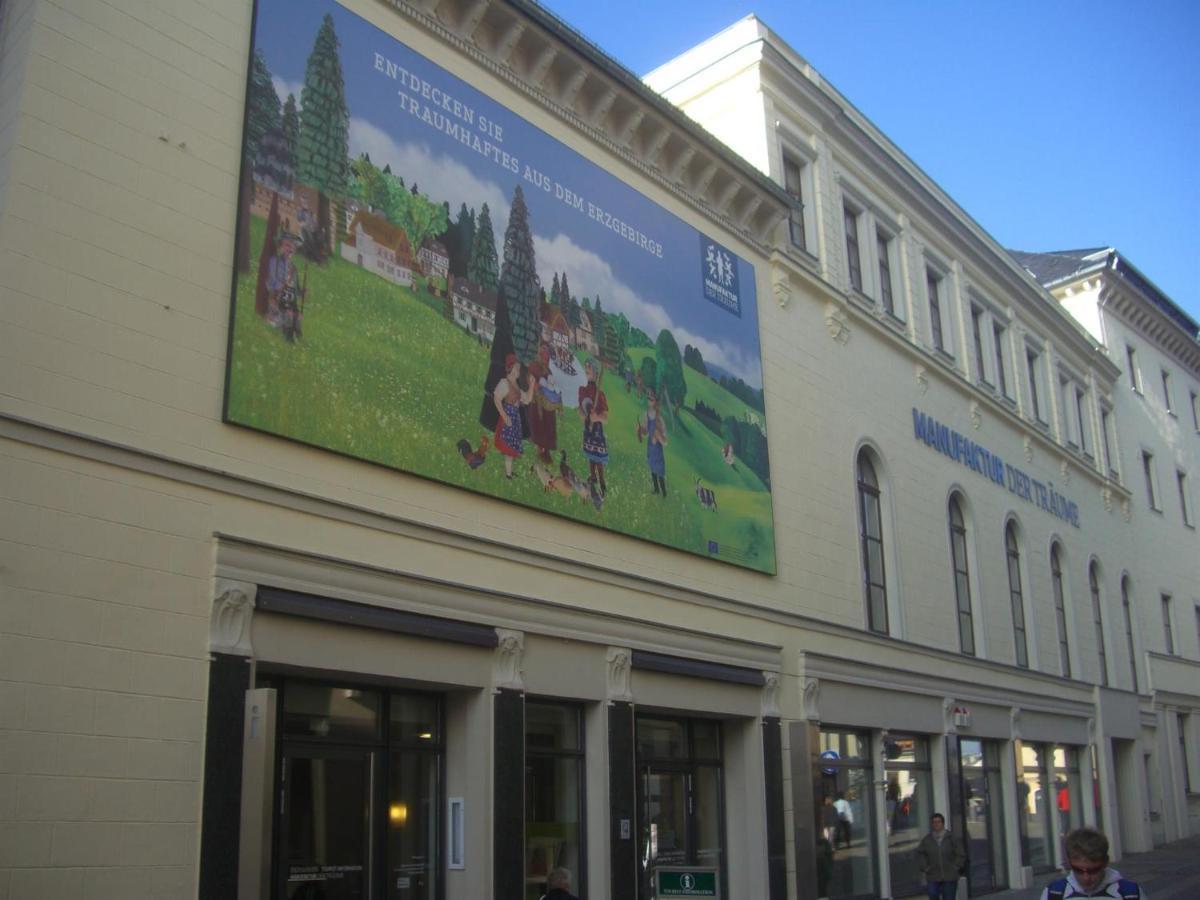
593	407
547	403
509	397
651	426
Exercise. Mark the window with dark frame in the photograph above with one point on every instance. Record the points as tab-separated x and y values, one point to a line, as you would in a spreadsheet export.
1168	633
962	577
1135	375
977	339
853	254
1016	595
1127	610
998	334
1181	724
932	286
1081	418
871	540
793	183
1148	471
1060	610
1195	401
883	244
1166	386
1032	363
1108	461
1184	507
1098	620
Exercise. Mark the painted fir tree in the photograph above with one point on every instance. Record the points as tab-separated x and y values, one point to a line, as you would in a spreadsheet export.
519	281
291	128
324	125
484	266
262	116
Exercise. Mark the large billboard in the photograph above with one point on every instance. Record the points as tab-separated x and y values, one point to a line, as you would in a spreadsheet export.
427	281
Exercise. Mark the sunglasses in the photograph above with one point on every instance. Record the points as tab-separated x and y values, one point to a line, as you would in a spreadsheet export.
1089	870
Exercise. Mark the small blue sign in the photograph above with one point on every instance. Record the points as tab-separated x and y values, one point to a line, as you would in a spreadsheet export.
719	275
830	755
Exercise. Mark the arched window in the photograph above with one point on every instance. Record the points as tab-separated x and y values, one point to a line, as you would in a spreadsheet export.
1098	618
1126	590
870	520
1017	598
1060	609
962	577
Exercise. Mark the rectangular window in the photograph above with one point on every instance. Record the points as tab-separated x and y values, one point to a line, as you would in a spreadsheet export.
843	779
932	286
1001	376
1098	621
1034	367
1148	471
977	339
553	794
1135	376
1126	608
1168	634
962	579
1166	384
1033	817
1184	507
1195	401
1182	724
1081	419
1109	463
793	183
883	245
853	255
1060	611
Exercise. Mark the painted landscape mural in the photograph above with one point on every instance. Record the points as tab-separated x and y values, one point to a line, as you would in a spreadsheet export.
429	282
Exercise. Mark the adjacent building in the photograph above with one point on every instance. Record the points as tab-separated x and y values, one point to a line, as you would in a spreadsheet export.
882	529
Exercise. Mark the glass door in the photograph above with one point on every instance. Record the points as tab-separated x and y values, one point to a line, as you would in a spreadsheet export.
665	832
325	824
983	799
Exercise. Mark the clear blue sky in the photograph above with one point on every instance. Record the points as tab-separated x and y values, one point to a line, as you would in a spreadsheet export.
1056	124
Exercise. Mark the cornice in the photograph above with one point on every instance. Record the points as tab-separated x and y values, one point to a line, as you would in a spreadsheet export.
535	53
1136	312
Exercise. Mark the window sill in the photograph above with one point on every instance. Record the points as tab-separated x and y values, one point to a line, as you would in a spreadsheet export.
898	323
944	355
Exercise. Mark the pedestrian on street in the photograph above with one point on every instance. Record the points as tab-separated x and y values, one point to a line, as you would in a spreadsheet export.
941	859
1089	874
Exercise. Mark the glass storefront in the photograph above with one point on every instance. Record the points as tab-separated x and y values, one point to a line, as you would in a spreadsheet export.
360	780
681	817
909	798
553	795
843	780
983	802
1068	792
1034	796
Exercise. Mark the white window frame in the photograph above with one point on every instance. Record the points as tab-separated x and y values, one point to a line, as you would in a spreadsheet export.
1185	499
1110	455
939	272
1168	391
792	145
871	220
1036	393
1154	497
1075	413
1135	372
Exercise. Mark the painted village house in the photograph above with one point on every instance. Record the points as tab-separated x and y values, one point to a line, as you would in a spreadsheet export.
234	665
435	262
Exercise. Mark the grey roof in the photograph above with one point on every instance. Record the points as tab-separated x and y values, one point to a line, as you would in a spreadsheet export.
1058	266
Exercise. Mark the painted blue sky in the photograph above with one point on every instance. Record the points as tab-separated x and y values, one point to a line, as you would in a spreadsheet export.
654	292
1055	125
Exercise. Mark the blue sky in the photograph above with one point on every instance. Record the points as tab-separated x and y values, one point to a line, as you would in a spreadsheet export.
391	119
1056	124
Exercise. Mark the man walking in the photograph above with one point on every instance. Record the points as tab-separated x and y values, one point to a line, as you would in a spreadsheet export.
1089	874
940	857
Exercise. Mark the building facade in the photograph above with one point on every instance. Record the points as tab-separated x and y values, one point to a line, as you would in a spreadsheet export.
248	657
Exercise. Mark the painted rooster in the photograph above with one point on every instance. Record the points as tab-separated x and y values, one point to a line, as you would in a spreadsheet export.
474	458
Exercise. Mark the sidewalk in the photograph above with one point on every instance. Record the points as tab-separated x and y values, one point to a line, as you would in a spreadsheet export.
1169	872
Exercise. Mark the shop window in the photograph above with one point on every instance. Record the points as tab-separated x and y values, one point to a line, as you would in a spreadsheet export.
1068	789
360	785
844	790
1016	595
1060	609
909	798
554	797
962	578
1034	796
1098	620
871	542
680	797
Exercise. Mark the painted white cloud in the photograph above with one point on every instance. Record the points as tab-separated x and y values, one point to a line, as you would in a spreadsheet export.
590	275
283	88
440	177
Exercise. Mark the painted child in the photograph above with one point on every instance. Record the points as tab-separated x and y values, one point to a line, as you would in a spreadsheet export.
651	425
509	397
593	408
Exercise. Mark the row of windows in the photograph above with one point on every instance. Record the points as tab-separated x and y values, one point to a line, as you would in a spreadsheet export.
1168	391
1153	494
872	546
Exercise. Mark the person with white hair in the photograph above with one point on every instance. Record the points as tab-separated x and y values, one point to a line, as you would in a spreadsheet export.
558	884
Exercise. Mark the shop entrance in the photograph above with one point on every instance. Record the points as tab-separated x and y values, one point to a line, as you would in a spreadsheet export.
983	798
359	785
680	797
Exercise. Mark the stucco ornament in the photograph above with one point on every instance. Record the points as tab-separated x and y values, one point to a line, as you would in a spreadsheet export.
1126	510
781	287
1014	722
232	612
1028	449
948	706
835	321
1106	496
770	695
506	665
922	378
812	699
620	668
1066	472
976	415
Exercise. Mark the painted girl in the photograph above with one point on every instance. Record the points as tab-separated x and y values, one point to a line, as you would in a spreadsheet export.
651	426
593	408
509	397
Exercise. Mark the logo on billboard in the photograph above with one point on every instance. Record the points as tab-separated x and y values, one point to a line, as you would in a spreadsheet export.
720	276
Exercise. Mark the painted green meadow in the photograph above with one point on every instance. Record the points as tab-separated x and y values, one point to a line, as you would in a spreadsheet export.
381	375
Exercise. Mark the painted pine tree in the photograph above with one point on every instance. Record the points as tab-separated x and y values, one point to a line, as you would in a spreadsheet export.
519	282
291	128
262	116
324	125
483	268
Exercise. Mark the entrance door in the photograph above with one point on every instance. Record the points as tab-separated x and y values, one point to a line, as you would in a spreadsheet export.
325	824
984	815
665	802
